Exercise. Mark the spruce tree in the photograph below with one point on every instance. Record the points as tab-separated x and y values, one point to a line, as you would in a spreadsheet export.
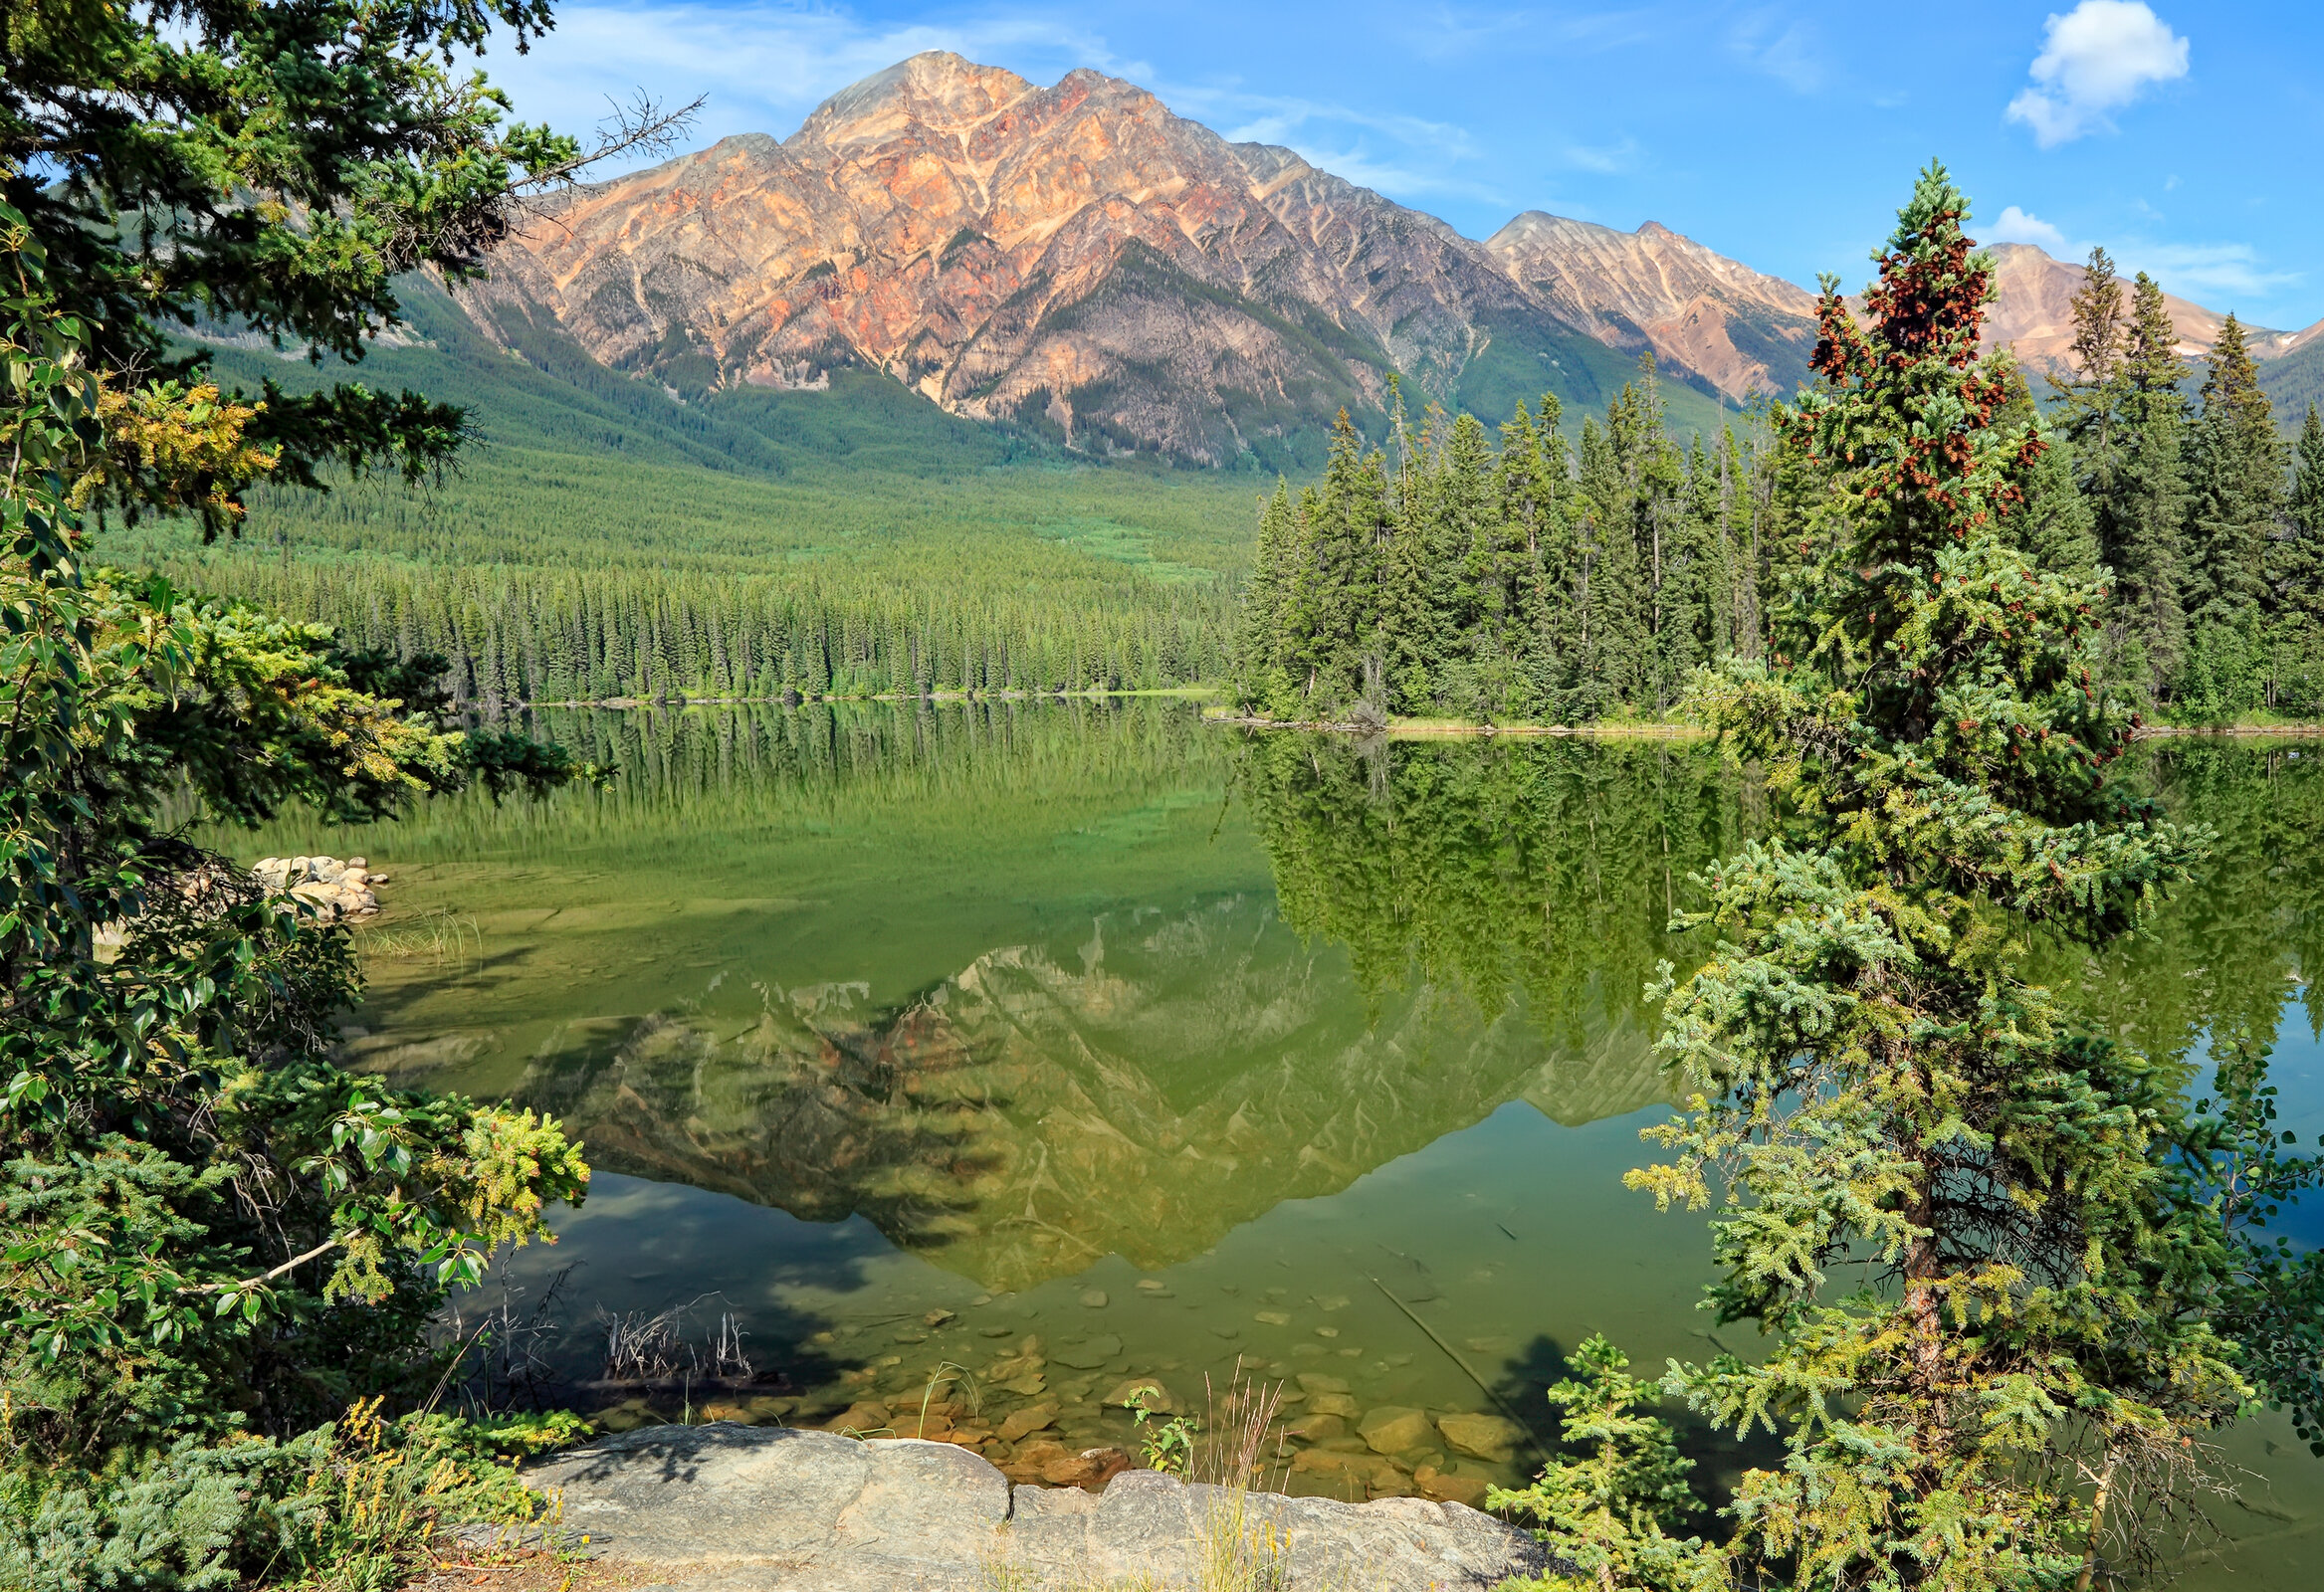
1708	631
1259	673
1614	1507
2002	1262
2141	502
1558	537
2295	580
1515	669
1612	587
1332	615
2235	477
1739	548
2057	530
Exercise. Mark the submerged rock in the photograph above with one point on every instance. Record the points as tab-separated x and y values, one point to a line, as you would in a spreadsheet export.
1484	1437
1391	1429
722	1508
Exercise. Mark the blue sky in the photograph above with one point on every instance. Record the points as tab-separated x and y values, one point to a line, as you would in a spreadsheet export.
2186	138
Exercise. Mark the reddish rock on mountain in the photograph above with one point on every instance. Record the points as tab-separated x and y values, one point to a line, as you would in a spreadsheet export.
1074	255
1652	288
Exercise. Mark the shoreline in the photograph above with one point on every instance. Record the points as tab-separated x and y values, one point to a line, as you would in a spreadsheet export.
802	700
1435	730
1394	729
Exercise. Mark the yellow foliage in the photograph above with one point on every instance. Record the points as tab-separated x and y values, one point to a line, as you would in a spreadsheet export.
185	447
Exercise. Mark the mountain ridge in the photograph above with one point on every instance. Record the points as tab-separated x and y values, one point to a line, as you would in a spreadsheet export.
1080	261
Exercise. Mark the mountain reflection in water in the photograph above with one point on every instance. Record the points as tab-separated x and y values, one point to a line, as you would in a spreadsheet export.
1452	928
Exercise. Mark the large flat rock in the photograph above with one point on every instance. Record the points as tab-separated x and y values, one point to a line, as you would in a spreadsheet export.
750	1509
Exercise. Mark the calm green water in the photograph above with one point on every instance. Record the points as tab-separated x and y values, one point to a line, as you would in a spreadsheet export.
905	1034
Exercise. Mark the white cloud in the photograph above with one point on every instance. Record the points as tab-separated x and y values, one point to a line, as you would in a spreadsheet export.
2096	59
2015	226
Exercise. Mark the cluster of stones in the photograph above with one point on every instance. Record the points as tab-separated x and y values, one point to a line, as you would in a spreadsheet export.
1056	1417
335	888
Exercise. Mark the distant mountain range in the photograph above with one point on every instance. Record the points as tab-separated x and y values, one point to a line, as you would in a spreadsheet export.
1079	261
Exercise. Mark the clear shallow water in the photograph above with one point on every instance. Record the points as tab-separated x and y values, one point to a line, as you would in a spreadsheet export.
1163	1050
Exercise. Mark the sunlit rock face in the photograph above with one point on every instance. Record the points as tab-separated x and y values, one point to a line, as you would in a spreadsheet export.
1652	288
1028	1116
1078	260
1073	256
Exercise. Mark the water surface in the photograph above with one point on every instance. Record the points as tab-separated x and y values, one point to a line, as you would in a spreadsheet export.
1024	1050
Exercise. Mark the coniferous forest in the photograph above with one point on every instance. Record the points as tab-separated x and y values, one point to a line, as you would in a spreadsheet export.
1554	577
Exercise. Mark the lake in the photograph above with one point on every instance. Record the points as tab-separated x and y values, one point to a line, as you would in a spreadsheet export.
977	1059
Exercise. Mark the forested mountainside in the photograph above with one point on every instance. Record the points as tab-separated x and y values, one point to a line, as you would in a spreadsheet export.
604	539
1081	263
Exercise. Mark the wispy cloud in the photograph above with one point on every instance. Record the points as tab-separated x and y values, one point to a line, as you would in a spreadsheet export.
1786	49
2208	271
764	64
1617	159
1245	118
1398	179
2204	272
1456	33
2096	59
1402	156
1453	33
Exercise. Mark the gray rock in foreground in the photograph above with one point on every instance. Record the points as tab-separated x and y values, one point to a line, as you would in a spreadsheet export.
752	1508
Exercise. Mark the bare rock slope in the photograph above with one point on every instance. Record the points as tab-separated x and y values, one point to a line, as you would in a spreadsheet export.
1653	289
1074	256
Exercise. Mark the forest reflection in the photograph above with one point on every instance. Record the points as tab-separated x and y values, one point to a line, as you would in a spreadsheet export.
1453	925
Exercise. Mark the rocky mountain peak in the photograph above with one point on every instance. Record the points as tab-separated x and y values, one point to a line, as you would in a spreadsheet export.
934	89
1080	260
2035	317
1074	258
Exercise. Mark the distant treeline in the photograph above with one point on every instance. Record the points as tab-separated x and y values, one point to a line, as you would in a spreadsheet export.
1533	580
519	634
1548	578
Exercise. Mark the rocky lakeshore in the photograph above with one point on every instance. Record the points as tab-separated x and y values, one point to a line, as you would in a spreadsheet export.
725	1507
336	889
1056	1416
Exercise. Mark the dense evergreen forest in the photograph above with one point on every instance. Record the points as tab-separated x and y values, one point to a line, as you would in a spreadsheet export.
1549	577
522	634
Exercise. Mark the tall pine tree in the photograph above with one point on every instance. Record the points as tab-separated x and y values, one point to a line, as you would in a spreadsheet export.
2140	504
2236	479
2295	582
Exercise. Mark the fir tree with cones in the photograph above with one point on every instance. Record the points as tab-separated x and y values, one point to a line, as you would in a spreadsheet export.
2012	1280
